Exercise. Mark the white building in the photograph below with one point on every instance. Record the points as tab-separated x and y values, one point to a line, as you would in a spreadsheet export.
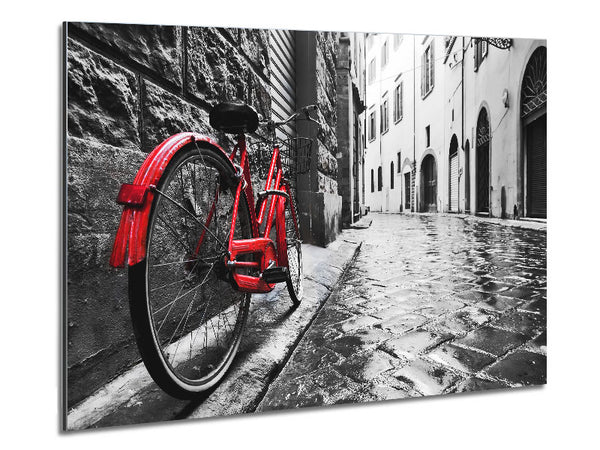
456	124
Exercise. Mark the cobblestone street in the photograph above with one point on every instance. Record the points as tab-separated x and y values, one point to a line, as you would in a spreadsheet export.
432	304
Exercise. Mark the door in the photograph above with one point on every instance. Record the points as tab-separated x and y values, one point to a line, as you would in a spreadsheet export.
429	171
533	114
407	191
454	182
483	162
536	168
483	178
467	177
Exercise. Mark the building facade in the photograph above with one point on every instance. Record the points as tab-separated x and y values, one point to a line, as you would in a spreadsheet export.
351	95
457	124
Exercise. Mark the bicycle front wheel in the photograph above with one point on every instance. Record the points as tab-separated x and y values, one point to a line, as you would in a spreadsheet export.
294	253
187	316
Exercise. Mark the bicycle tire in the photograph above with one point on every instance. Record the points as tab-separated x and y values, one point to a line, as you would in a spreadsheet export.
295	276
167	259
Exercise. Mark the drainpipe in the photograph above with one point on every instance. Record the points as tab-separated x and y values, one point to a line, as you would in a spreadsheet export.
414	168
462	113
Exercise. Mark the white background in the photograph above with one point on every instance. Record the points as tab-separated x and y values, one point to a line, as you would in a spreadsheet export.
564	413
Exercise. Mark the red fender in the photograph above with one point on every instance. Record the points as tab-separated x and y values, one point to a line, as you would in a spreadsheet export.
134	219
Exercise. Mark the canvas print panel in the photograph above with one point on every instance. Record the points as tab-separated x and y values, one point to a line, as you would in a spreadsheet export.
273	219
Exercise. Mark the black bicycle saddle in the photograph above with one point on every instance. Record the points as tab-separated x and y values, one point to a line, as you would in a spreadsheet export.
233	118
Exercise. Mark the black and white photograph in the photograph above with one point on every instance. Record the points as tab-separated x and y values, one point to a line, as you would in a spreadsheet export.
267	219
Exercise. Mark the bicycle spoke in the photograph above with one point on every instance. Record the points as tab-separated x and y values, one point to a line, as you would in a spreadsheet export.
173	232
176	203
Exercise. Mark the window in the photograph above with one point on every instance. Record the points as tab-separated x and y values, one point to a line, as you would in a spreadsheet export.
397	40
385	121
392	175
379	180
398	106
398	161
427	70
372	71
372	181
428	136
384	54
481	51
372	124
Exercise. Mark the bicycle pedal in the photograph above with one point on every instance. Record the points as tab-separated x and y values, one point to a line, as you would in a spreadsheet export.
275	275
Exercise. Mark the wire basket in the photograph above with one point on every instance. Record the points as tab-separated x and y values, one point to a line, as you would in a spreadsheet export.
295	154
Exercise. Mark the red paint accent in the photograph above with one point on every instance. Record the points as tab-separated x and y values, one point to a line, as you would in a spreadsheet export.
292	207
272	166
251	264
132	195
282	258
262	247
134	220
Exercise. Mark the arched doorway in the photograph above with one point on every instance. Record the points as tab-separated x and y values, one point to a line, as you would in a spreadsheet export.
533	116
453	174
483	162
429	183
467	176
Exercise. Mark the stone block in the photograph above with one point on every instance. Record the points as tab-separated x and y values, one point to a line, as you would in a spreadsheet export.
461	359
403	322
320	216
414	343
254	43
365	366
326	184
479	384
95	173
217	71
158	48
102	99
526	323
492	340
165	114
428	379
326	162
521	367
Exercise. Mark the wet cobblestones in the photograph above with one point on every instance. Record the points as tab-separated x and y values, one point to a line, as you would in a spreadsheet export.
432	304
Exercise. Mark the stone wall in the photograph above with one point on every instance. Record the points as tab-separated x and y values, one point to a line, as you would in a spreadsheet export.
129	87
326	88
318	197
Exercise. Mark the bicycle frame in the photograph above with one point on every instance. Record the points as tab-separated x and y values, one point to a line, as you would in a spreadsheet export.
137	200
270	205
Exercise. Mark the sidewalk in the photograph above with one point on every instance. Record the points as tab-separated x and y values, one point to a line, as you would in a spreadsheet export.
272	332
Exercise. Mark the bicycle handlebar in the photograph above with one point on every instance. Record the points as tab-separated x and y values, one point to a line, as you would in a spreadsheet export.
302	111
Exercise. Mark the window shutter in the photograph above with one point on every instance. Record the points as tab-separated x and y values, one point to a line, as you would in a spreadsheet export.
423	69
432	62
401	101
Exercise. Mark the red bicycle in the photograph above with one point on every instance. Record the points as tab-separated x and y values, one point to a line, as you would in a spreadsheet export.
197	245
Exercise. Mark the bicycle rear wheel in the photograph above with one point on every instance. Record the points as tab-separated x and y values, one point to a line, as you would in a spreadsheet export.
187	316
